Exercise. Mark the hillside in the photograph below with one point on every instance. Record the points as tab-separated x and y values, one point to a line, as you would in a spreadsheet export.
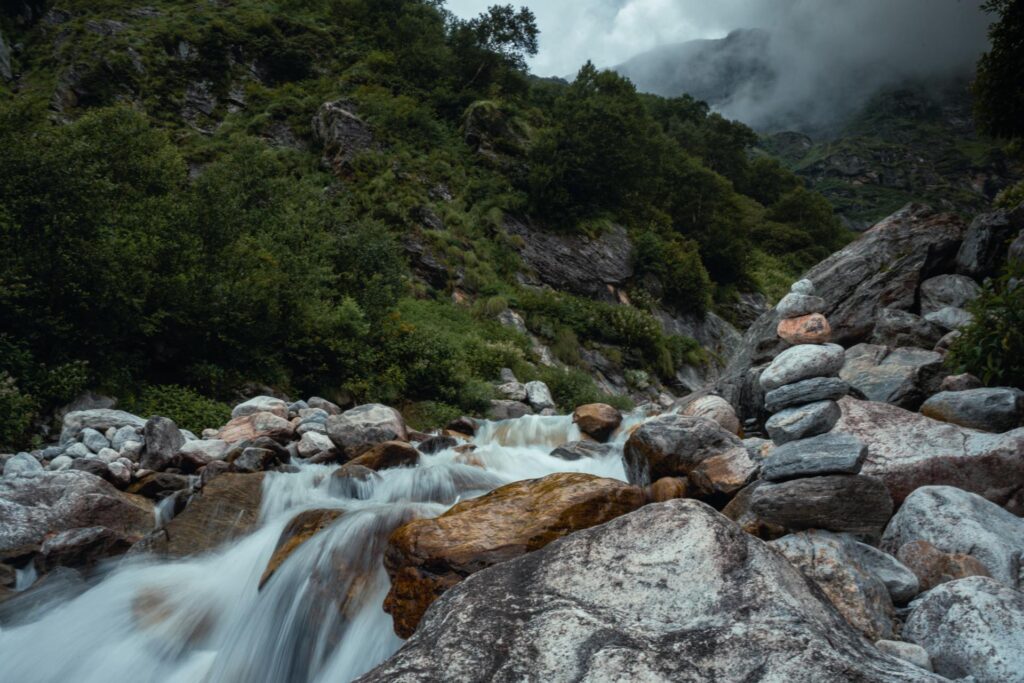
361	200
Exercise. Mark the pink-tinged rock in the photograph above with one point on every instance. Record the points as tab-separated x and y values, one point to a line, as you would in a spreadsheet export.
907	451
807	329
249	427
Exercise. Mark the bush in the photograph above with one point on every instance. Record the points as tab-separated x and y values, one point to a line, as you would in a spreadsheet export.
992	346
16	413
187	408
571	388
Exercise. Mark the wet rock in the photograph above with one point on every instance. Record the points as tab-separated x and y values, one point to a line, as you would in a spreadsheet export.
357	430
427	557
798	305
807	329
436	444
227	508
82	548
842	502
908	451
261	404
508	410
859	595
971	627
163	442
651	596
932	567
300	529
895	328
597	420
806	391
713	407
100	419
947	290
386	455
908	652
539	396
984	247
820	455
961	382
673	445
955	521
802	362
801	422
159	485
574	450
463	425
21	463
902	377
991	410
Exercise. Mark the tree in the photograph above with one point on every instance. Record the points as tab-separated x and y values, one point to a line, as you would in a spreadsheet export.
999	86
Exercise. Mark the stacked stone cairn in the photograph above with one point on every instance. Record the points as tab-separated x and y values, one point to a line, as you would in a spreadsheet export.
812	477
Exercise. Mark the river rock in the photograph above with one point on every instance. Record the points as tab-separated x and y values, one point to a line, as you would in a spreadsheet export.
93	440
807	329
806	391
739	510
801	422
667	488
842	502
574	450
908	652
798	305
300	529
33	506
60	463
903	377
899	579
100	419
802	362
723	475
895	328
203	451
673	445
973	627
77	450
436	444
991	410
983	251
651	596
508	410
82	548
427	557
947	290
932	567
324	405
251	427
252	459
163	442
261	404
539	396
386	455
597	420
908	451
512	391
859	595
956	521
819	455
357	430
314	443
353	481
21	463
950	318
714	407
159	485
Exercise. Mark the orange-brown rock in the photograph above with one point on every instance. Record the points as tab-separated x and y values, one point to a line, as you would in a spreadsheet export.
386	455
427	557
666	488
933	567
807	329
300	529
249	427
597	420
724	474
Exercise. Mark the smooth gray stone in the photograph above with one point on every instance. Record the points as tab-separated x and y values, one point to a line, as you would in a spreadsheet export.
802	422
805	287
998	409
819	455
22	463
950	318
840	502
947	290
803	362
795	305
806	391
77	450
93	440
901	582
538	395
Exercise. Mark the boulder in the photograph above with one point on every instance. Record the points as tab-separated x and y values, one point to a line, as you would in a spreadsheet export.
984	248
300	529
805	391
714	407
895	328
947	290
899	579
908	450
902	377
159	485
841	502
508	410
100	419
932	567
672	592
163	443
386	455
961	382
250	427
949	318
667	488
597	420
801	422
228	508
973	627
353	481
539	396
955	521
574	450
261	404
253	459
427	557
512	391
802	362
829	561
463	425
739	511
991	410
21	463
203	451
816	456
722	476
807	329
798	305
357	430
673	445
32	506
82	548
323	404
93	440
436	444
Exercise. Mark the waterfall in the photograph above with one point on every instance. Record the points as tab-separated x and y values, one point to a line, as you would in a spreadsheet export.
319	616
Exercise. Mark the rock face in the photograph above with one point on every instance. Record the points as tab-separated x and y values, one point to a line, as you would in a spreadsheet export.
673	445
829	561
801	422
903	377
35	505
984	248
427	557
802	362
358	429
990	410
908	451
652	596
820	455
971	627
342	133
852	503
956	521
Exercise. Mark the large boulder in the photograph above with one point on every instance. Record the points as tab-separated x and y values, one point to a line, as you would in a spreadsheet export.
163	443
955	521
714	407
427	557
997	409
255	426
597	420
21	463
839	502
973	627
908	450
32	506
672	592
944	291
261	404
357	430
904	377
673	445
985	244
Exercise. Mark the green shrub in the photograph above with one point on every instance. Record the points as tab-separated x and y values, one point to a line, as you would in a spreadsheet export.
571	388
16	413
1011	197
189	409
992	346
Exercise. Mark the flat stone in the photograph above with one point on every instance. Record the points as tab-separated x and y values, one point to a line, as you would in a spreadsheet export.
797	305
816	456
801	422
806	391
807	329
842	502
802	362
997	409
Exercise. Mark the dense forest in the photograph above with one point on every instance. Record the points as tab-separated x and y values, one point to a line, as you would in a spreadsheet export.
178	222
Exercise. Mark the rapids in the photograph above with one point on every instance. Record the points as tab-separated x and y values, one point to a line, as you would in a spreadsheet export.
319	618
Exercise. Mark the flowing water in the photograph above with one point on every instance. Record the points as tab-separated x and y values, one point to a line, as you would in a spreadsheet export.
319	617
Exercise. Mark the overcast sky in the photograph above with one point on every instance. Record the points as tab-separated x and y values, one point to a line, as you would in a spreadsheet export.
610	31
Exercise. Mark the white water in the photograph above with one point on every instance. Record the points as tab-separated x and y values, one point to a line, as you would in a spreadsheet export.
319	618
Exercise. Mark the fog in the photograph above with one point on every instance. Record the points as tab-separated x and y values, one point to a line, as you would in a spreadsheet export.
824	54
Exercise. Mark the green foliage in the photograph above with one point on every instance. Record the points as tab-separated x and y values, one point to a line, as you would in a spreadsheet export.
571	388
992	346
999	85
187	408
16	411
1011	197
675	263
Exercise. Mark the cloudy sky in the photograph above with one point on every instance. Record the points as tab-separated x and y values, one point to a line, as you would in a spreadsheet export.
610	31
